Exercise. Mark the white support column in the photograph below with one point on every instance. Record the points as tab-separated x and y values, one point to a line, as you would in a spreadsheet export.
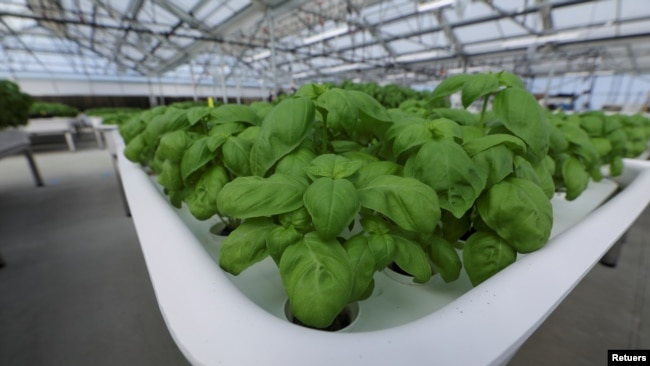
271	22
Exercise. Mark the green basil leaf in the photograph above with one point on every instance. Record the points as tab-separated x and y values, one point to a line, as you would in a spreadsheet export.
318	278
311	90
616	167
254	196
603	145
170	176
408	136
234	113
363	265
332	166
197	155
518	211
131	129
461	116
445	129
470	133
332	204
509	79
382	247
196	114
576	177
375	225
360	156
445	258
592	125
296	162
133	150
298	219
227	129
450	86
522	115
283	129
202	201
173	144
245	246
618	139
485	254
477	86
515	144
236	154
409	203
454	228
342	114
216	141
373	117
374	169
341	146
279	239
495	163
368	107
545	170
261	108
445	167
410	257
557	141
524	170
250	134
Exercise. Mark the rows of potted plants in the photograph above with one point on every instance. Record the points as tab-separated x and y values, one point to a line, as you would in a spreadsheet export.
335	187
41	109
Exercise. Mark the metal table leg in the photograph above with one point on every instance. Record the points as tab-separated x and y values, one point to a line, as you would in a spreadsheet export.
32	166
120	186
610	259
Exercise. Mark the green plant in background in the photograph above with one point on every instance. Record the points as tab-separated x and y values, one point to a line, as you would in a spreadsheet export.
576	157
194	151
637	130
50	109
113	116
191	104
14	105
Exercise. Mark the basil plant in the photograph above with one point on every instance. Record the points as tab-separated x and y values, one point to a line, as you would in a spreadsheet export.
340	188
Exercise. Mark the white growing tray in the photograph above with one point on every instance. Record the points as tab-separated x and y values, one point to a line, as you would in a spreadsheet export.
219	319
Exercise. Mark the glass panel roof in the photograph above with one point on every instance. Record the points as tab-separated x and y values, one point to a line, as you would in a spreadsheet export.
267	43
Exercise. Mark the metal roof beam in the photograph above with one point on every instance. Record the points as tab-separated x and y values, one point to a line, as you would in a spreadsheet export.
449	32
512	18
248	15
489	18
545	15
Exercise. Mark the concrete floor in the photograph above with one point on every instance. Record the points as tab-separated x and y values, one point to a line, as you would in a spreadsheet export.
75	290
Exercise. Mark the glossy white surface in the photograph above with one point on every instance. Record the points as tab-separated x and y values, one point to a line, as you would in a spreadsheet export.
219	319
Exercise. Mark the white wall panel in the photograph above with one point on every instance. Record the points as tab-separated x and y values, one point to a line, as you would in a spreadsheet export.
111	88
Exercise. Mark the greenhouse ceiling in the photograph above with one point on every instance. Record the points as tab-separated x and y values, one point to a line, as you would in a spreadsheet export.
287	42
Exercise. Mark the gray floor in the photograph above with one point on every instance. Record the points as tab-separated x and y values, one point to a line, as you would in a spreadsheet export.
75	290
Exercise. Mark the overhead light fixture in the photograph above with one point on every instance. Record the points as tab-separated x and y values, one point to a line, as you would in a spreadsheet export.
341	68
258	56
469	70
402	75
589	73
437	4
303	74
527	40
417	56
326	35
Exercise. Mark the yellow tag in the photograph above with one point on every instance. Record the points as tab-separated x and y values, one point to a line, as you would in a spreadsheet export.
210	102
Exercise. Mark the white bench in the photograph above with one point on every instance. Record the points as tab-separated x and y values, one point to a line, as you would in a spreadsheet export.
52	126
14	141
